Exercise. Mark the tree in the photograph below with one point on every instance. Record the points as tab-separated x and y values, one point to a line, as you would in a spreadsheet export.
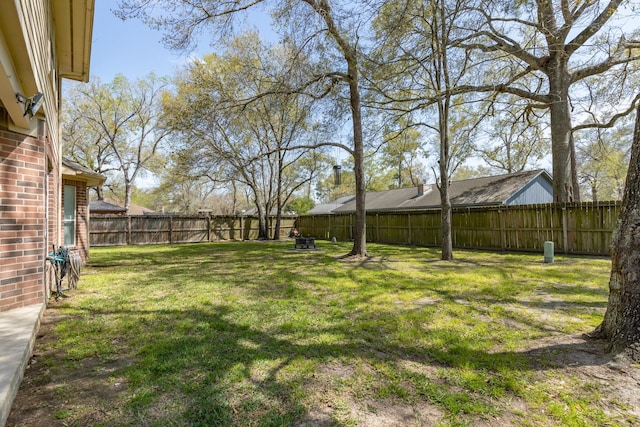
122	122
603	155
621	324
332	33
300	205
425	67
254	141
547	52
379	177
402	149
181	192
515	139
83	139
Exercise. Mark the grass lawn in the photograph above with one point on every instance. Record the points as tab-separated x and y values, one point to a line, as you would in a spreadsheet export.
256	334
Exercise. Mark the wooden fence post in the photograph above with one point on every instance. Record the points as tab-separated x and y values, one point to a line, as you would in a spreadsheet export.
330	223
565	230
503	231
128	229
594	238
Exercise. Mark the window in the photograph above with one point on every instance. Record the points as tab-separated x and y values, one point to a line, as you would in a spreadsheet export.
69	215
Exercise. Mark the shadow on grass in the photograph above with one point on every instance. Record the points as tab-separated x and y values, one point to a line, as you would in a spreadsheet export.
225	373
223	364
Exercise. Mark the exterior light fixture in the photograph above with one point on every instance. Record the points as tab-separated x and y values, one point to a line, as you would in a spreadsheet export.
31	105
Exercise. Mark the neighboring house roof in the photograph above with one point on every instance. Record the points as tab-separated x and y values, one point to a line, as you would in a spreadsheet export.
135	209
100	206
325	208
517	188
274	212
73	169
112	206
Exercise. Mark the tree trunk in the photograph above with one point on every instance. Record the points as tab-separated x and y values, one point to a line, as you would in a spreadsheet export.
360	231
276	230
621	324
127	195
574	170
263	223
445	222
561	142
323	9
445	202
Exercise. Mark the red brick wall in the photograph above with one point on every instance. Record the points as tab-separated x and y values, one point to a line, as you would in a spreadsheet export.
23	220
82	216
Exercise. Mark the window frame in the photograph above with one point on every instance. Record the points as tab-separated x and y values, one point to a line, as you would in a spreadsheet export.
70	218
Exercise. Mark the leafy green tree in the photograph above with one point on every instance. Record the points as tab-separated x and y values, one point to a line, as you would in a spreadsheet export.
300	205
123	124
249	142
328	31
603	156
379	177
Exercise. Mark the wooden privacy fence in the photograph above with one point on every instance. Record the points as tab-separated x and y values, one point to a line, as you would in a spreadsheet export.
116	230
579	228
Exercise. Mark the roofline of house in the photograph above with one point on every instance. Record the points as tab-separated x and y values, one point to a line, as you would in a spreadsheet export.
70	169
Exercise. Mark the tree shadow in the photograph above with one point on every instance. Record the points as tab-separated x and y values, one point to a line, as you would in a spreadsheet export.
226	370
227	373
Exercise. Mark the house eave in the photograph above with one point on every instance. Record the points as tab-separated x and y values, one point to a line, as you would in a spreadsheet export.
92	179
73	32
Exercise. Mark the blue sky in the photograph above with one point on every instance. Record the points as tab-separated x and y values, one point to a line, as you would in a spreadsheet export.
133	49
128	47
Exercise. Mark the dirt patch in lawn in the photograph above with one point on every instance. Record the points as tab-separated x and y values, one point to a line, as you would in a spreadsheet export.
587	360
55	388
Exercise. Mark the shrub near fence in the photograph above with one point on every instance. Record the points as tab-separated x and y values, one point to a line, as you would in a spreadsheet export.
116	230
579	228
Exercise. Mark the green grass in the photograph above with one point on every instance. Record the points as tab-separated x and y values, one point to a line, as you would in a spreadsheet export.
256	334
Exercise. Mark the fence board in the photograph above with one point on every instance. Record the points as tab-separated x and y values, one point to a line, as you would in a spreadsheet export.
580	228
118	230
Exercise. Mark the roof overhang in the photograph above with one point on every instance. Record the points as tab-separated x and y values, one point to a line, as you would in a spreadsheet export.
16	73
73	21
24	57
92	179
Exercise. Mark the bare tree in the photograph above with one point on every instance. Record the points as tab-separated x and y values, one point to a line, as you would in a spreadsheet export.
603	155
125	121
423	68
547	51
83	139
512	139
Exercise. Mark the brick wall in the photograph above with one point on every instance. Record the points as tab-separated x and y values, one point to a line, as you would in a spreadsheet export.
23	220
